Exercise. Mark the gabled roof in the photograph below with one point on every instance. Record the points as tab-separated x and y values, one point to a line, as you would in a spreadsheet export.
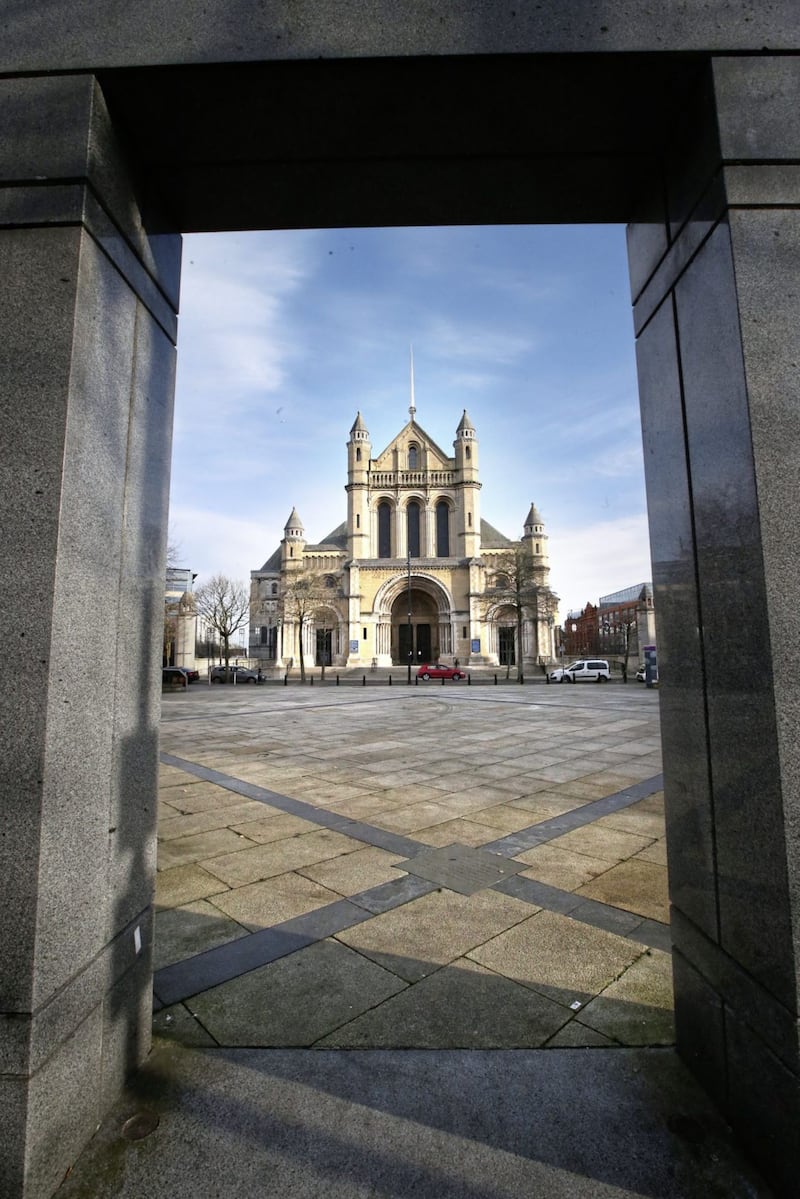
414	431
492	538
273	562
337	540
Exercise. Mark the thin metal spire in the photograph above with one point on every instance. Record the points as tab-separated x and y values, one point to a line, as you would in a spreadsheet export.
412	408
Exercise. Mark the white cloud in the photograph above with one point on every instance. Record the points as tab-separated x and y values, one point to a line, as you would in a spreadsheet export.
597	559
214	543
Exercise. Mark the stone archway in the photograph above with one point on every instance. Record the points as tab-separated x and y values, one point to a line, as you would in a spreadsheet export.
115	140
424	607
414	628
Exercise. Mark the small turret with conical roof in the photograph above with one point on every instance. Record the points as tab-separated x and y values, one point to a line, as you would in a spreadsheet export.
536	536
359	451
468	513
294	539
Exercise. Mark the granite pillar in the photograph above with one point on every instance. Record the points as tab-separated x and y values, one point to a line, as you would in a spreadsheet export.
87	331
715	267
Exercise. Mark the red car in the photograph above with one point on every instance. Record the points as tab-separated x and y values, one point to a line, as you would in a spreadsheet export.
437	671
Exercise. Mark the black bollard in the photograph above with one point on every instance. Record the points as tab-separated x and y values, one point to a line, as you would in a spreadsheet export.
363	680
337	680
469	680
286	680
390	680
312	680
495	680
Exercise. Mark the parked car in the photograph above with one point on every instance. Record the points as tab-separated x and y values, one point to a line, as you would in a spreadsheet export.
435	670
177	676
593	670
238	674
641	675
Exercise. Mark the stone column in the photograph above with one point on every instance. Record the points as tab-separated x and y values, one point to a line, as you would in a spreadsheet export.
716	283
87	330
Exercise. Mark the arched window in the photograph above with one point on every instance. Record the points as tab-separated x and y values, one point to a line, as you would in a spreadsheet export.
413	457
384	530
358	453
274	588
467	452
413	528
442	530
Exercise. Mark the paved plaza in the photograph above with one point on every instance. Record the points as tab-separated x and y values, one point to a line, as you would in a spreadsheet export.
465	884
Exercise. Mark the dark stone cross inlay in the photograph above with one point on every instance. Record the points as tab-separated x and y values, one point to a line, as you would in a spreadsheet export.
461	868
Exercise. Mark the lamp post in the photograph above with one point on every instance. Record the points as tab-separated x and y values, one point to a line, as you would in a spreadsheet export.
410	634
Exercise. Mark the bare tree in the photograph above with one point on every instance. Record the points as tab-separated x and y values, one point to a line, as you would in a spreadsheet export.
305	592
518	586
223	605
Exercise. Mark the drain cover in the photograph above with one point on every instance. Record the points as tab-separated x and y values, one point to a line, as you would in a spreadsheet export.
461	868
140	1126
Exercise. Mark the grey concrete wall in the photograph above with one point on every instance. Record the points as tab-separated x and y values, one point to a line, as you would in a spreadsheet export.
718	322
79	34
86	370
645	118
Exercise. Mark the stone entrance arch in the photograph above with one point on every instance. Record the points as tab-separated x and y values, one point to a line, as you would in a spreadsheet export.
429	615
118	137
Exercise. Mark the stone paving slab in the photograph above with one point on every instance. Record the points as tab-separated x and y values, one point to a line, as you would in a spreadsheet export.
297	1000
182	884
414	940
460	1006
466	830
273	901
253	864
636	1009
608	843
457	1124
561	867
234	817
635	885
352	872
559	957
340	796
191	929
182	851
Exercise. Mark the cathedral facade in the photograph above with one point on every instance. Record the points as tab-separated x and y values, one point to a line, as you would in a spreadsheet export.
414	574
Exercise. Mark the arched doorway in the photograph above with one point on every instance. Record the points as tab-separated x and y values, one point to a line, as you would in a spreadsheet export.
414	628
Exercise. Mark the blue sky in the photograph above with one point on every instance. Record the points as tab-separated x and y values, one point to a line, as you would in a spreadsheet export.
283	336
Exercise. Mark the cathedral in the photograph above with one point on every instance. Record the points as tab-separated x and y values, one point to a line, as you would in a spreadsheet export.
413	575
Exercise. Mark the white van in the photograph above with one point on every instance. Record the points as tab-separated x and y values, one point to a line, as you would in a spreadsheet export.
595	670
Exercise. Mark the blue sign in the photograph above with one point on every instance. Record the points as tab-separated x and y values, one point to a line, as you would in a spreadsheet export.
354	647
475	645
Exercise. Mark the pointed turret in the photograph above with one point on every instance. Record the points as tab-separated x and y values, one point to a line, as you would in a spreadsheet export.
469	512
465	425
294	539
358	432
293	529
535	536
359	450
534	525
